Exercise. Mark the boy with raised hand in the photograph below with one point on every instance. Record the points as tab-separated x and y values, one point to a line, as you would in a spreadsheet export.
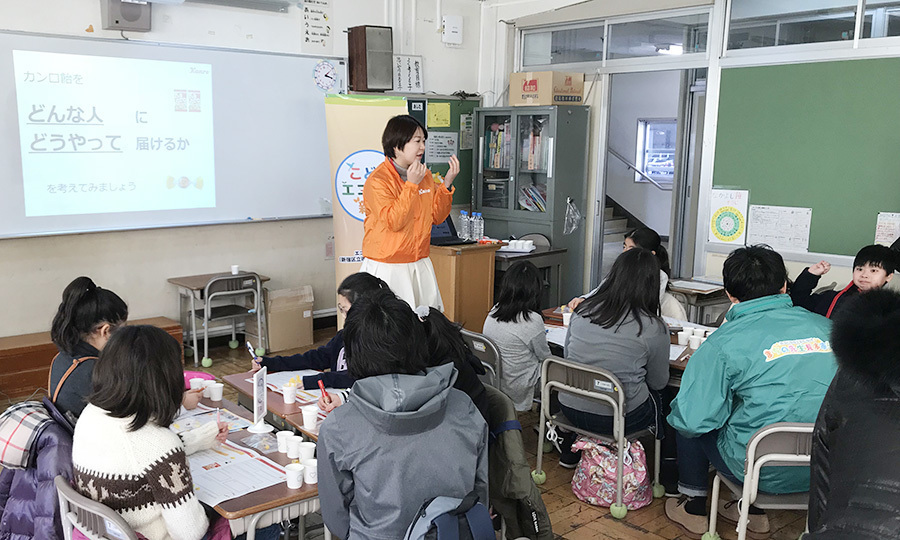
873	268
771	362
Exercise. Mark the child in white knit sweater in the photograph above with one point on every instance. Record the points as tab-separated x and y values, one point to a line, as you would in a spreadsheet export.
124	454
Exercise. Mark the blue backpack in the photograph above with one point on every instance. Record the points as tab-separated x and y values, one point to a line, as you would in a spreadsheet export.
449	518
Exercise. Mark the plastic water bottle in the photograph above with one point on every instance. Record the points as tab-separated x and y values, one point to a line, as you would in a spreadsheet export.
477	227
464	225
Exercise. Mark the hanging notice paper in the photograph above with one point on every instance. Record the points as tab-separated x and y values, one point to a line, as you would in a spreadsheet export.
317	24
785	228
466	132
728	216
440	146
887	229
438	115
408	74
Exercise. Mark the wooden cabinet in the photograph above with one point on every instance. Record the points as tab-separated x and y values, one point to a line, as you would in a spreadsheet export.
465	276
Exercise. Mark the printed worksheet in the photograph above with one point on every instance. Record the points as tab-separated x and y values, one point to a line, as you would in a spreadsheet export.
276	381
556	334
202	414
230	471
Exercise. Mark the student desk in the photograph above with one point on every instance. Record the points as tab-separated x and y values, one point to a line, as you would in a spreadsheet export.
190	288
283	416
549	261
698	299
268	505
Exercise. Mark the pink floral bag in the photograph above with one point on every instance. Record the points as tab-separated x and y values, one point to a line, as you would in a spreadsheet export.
595	478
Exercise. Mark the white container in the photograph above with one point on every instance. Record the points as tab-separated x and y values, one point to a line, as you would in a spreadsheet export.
694	342
567	318
310	414
196	383
294	473
699	332
683	337
307	450
289	392
206	384
282	438
311	471
293	446
235	269
215	391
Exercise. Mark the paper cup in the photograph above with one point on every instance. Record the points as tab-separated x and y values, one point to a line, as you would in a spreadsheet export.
294	473
710	332
683	337
702	340
567	318
289	391
310	413
196	383
694	342
215	391
699	332
307	451
234	269
282	438
206	384
310	471
293	446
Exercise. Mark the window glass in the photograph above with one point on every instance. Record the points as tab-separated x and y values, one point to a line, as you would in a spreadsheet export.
656	149
671	36
884	18
563	46
766	23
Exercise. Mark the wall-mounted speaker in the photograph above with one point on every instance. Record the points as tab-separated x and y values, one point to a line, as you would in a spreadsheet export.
119	15
371	53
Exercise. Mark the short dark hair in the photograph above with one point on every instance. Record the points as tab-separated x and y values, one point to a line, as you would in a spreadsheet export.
445	343
877	256
520	292
753	272
383	335
399	131
84	306
630	288
357	285
647	238
139	373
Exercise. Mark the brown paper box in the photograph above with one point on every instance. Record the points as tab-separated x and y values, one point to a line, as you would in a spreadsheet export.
546	88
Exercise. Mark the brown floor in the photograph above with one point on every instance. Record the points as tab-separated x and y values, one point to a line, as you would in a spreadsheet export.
571	518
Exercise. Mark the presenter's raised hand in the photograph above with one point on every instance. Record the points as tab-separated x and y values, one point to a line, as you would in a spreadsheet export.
820	268
416	172
451	174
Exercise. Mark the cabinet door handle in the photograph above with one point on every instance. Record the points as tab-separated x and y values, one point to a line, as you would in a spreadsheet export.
550	157
481	155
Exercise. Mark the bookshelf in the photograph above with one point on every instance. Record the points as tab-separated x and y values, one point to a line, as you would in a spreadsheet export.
530	161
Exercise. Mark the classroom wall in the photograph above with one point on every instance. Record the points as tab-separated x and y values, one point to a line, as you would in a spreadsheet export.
136	264
639	96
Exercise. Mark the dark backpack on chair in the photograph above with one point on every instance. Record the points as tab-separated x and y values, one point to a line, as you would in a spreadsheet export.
449	518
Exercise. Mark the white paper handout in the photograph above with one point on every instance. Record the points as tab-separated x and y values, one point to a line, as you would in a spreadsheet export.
675	351
556	334
694	286
784	228
887	228
195	418
230	471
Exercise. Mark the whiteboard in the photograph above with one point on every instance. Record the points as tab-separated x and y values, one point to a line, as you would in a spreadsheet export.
270	149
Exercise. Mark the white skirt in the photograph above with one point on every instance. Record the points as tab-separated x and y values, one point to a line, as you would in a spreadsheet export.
414	282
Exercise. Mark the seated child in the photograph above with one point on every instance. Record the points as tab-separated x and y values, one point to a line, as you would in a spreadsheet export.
331	355
124	454
873	267
404	436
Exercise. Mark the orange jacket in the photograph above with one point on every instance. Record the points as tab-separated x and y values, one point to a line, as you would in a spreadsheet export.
399	215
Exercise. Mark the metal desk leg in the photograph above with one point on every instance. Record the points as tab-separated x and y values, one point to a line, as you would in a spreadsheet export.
194	337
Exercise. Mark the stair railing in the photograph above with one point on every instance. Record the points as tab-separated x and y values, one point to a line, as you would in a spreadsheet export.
641	173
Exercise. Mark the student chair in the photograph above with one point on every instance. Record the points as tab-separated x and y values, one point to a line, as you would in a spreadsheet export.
558	375
485	350
783	444
94	520
235	290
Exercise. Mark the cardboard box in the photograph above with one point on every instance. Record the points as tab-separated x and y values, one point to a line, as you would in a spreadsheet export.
546	88
290	319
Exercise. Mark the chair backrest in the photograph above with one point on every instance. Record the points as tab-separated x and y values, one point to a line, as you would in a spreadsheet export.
585	381
782	444
486	351
96	521
243	284
538	239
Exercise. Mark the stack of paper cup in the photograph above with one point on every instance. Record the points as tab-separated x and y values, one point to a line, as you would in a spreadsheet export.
294	473
310	471
282	438
310	415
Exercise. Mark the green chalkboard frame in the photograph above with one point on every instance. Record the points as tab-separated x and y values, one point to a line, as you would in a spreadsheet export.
822	135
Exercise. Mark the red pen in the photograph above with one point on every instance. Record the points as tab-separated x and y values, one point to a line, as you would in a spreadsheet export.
324	393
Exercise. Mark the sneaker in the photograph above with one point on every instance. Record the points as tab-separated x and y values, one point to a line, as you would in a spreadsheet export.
671	489
757	526
569	459
693	526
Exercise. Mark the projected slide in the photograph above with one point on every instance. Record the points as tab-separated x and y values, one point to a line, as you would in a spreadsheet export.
101	134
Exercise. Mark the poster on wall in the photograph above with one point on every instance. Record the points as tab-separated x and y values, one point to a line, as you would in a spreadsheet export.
784	228
887	228
728	216
317	27
440	147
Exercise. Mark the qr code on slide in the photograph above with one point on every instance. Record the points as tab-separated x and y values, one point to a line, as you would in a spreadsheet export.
181	101
194	100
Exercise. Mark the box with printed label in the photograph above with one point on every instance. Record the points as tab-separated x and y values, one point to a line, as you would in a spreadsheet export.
290	319
546	88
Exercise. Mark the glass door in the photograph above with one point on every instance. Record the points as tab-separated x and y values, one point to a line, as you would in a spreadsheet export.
534	166
497	150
